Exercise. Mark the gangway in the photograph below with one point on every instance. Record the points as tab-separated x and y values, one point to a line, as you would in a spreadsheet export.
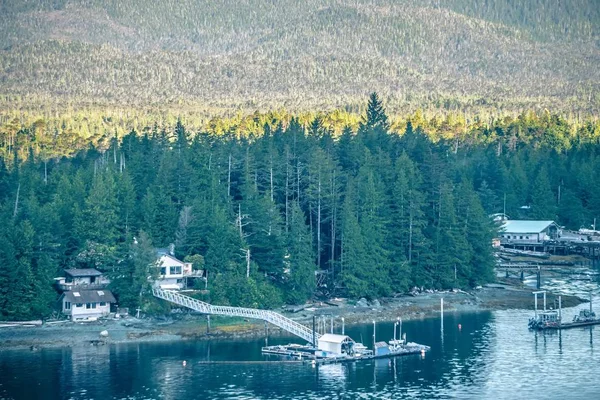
265	315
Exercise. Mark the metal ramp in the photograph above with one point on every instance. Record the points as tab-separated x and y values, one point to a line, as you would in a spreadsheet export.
265	315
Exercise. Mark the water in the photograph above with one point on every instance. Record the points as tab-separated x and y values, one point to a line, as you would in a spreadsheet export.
492	356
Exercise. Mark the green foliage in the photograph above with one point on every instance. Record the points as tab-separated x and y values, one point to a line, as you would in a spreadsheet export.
373	211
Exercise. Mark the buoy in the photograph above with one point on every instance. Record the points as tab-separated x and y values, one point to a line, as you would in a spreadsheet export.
184	363
459	327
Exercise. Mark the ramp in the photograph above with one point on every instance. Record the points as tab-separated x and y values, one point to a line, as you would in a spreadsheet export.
272	317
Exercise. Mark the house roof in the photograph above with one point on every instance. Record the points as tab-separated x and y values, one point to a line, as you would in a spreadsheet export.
89	296
76	272
518	226
333	338
171	257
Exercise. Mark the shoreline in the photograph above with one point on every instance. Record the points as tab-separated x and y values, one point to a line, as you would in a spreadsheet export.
192	326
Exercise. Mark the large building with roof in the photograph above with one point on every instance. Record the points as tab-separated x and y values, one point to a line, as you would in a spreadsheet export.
528	232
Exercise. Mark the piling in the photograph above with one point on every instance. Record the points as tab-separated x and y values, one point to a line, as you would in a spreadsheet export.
374	337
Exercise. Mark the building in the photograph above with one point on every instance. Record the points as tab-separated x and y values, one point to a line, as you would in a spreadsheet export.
86	305
522	232
338	344
82	278
84	294
173	273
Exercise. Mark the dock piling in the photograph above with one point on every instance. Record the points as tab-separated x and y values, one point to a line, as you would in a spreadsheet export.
559	310
374	337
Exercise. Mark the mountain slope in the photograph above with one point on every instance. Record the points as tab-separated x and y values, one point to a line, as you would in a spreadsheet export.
318	53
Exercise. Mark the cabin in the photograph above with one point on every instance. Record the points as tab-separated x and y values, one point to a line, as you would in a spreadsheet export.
83	278
528	232
338	344
86	305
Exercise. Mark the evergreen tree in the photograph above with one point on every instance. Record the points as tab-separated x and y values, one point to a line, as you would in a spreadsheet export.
300	268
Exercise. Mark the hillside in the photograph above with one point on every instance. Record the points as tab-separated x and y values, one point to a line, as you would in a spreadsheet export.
257	54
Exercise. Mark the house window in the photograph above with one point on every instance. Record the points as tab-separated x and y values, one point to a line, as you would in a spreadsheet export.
67	305
90	305
79	305
509	236
526	237
174	270
163	270
102	304
520	237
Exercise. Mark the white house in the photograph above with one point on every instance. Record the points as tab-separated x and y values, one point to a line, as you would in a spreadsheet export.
528	232
86	305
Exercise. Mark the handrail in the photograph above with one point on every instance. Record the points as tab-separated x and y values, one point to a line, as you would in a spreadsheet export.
265	315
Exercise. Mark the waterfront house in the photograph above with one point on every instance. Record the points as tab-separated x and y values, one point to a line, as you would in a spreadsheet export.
87	305
84	294
174	274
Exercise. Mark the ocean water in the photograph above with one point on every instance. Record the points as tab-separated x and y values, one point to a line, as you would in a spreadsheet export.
491	356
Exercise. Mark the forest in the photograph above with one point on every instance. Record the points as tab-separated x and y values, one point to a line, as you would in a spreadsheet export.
289	210
219	57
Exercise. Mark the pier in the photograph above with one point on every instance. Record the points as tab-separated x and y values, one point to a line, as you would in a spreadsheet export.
324	348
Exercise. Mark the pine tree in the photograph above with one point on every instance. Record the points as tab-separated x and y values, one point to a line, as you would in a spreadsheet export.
300	268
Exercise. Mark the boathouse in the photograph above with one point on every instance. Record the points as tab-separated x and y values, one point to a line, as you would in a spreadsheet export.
337	344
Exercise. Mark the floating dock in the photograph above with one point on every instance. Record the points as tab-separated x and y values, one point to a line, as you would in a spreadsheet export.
333	348
552	319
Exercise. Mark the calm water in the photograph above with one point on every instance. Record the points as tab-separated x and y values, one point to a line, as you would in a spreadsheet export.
492	356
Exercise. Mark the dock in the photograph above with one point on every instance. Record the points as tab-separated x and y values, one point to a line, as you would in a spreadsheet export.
313	355
552	319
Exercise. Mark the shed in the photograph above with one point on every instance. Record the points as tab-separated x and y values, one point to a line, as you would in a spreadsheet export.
337	344
382	349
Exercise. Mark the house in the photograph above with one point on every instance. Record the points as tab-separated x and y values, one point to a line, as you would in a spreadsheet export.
84	294
82	278
86	305
173	273
528	232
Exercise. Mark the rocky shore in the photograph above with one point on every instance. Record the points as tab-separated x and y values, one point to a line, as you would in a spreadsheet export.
182	326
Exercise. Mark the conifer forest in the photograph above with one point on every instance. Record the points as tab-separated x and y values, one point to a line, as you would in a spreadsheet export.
293	212
304	151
